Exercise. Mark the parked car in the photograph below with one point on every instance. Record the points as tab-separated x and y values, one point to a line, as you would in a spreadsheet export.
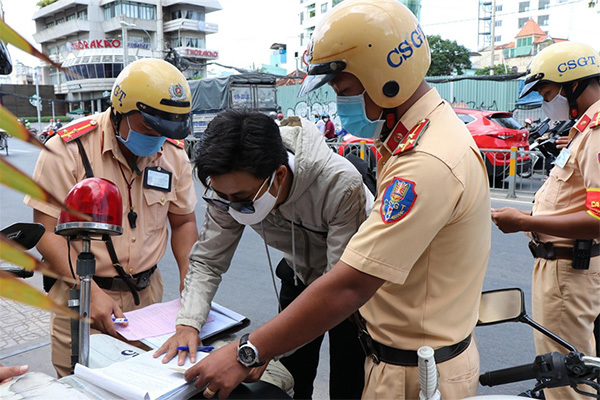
497	130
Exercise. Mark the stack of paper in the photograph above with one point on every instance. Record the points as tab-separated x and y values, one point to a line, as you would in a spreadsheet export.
142	377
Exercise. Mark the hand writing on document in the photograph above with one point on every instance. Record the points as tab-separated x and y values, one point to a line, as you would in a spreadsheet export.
184	336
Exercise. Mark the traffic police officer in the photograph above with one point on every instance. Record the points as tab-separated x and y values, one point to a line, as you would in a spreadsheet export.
126	145
416	266
564	224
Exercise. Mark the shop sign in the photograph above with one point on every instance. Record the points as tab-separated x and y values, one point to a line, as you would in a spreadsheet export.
202	53
103	44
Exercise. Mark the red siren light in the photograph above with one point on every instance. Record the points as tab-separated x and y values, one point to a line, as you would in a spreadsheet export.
98	198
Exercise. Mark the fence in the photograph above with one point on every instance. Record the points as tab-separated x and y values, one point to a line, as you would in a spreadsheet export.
512	171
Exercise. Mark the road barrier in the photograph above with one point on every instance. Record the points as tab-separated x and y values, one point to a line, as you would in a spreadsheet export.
513	171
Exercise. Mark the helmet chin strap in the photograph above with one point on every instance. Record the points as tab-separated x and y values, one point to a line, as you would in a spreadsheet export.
572	96
390	118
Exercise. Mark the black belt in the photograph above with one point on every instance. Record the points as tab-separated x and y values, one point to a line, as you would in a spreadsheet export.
140	281
548	251
409	358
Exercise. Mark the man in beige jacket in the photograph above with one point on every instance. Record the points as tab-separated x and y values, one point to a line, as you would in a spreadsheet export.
304	200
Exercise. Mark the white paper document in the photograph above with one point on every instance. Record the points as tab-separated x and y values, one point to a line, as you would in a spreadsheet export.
154	324
142	377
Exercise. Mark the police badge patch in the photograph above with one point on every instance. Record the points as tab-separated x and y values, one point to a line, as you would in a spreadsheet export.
397	200
177	92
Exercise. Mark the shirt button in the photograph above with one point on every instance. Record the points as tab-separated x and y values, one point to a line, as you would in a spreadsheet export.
162	199
133	239
131	270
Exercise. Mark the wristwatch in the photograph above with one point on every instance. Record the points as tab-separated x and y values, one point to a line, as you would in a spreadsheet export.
247	353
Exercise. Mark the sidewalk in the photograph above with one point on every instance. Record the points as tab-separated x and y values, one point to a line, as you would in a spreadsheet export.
25	334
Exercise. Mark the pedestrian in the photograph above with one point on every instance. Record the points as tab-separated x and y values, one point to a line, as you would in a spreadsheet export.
329	127
140	134
302	200
564	224
415	267
320	124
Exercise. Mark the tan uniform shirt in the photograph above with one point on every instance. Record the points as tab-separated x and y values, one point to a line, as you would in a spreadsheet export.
140	248
433	249
576	186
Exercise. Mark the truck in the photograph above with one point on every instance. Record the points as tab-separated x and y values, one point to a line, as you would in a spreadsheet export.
253	91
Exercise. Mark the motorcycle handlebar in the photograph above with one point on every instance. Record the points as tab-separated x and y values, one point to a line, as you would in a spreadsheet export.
508	375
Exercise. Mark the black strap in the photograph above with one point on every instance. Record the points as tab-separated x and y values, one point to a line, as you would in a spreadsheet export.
89	173
127	279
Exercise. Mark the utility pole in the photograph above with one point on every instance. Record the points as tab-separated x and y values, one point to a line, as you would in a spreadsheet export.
493	38
39	99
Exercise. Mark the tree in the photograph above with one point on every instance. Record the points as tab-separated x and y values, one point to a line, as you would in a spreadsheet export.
499	69
447	57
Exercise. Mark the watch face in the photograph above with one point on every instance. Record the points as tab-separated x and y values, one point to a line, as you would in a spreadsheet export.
246	355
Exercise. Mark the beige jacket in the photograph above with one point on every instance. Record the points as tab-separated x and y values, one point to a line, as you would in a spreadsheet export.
326	204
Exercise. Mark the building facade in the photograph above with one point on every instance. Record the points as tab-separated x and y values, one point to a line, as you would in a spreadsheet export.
92	38
574	20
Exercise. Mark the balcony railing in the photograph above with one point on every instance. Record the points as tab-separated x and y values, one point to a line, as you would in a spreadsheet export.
61	31
190	25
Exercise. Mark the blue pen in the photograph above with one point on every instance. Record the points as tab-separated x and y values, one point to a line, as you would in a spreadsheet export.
120	320
204	349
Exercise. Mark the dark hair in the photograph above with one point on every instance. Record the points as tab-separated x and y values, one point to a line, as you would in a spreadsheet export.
239	140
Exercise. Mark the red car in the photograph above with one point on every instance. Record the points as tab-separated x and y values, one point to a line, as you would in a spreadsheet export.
492	130
497	130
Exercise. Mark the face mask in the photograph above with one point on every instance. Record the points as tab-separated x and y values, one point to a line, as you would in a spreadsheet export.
556	109
142	145
351	110
262	207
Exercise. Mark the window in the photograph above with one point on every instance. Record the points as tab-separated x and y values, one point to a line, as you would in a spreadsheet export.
195	15
498	23
323	8
523	21
498	39
60	21
543	4
466	118
301	22
50	24
129	9
194	42
310	9
523	6
499	8
70	17
543	20
175	42
82	14
176	14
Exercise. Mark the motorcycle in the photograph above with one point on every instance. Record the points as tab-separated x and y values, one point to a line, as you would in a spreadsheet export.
542	145
550	370
47	133
27	234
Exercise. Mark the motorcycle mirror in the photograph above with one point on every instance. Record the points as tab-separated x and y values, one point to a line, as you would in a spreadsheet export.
27	234
5	61
503	305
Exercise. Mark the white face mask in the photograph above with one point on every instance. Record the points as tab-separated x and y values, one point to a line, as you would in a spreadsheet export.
556	109
262	207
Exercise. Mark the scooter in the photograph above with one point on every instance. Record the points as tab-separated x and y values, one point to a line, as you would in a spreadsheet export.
542	145
27	234
550	370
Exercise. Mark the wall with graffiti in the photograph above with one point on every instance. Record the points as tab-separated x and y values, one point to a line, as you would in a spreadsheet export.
320	101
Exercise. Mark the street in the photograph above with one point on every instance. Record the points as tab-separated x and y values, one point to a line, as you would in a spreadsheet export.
248	289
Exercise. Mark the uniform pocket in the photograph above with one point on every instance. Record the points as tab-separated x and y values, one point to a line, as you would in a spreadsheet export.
557	193
156	207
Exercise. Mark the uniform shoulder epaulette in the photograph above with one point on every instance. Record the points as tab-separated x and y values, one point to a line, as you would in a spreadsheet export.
77	129
595	123
177	142
410	140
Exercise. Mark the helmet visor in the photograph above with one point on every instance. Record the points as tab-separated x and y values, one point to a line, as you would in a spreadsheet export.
320	74
529	84
174	129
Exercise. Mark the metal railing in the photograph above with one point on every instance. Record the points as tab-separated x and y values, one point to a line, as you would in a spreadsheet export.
514	171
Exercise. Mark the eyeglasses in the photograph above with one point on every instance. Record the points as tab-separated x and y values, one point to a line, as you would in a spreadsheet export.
244	207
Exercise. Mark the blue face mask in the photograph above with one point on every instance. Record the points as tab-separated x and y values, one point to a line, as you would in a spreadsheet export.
142	145
352	113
